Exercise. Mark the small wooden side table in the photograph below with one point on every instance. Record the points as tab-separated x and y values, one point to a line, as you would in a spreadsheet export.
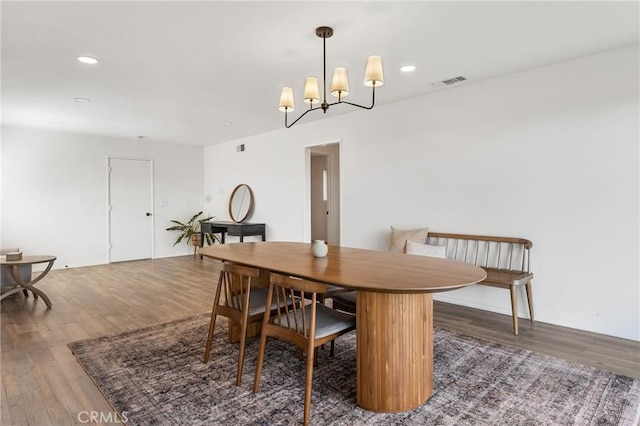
22	285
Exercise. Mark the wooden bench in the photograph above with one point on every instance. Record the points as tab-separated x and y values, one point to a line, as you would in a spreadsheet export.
506	261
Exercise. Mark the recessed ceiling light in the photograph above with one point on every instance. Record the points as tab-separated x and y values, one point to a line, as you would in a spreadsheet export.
142	137
228	123
408	68
83	100
87	60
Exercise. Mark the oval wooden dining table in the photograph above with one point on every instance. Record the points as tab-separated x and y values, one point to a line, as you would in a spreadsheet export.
394	315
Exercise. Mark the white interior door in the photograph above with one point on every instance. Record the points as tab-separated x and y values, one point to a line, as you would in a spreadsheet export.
130	209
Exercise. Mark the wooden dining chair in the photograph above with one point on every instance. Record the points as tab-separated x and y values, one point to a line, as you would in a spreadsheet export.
241	304
340	297
300	319
345	302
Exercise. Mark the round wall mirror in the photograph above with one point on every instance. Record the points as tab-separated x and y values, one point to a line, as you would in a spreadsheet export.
240	203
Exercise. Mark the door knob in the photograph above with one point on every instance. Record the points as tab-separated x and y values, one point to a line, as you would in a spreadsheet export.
148	214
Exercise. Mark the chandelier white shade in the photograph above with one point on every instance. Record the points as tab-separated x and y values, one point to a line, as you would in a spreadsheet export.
373	74
311	91
339	85
286	99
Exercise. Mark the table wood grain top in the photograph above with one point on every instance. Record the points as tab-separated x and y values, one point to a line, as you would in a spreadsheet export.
354	268
27	260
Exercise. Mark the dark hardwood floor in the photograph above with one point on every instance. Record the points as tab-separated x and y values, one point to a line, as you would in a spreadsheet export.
42	383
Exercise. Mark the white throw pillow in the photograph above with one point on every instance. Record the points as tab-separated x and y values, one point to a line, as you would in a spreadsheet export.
399	237
425	249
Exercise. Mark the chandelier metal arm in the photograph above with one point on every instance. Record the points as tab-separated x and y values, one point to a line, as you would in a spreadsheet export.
325	106
296	120
373	101
356	105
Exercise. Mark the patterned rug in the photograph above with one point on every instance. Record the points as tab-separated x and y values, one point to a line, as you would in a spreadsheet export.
155	376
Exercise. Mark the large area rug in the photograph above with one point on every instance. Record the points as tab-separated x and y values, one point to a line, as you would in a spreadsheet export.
155	376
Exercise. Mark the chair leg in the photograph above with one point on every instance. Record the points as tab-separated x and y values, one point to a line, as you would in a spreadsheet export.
263	344
243	338
514	308
212	326
308	384
529	299
212	323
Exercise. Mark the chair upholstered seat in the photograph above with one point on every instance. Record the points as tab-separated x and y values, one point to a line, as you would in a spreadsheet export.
257	301
334	289
345	302
328	321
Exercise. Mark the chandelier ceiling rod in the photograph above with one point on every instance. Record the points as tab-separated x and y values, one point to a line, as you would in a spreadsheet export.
339	85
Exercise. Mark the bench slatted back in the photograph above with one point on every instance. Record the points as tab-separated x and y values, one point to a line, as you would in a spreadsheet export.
485	251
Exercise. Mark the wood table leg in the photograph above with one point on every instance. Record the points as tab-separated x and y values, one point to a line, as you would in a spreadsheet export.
15	273
394	350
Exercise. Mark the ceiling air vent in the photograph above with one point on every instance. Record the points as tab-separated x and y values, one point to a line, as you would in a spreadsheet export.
453	80
448	82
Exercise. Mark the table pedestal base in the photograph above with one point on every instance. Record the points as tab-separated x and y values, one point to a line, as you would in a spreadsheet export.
395	350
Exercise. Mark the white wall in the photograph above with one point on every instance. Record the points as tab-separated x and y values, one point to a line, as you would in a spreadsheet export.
54	192
549	154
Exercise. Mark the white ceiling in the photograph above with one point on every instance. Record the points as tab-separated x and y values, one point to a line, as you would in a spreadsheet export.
177	71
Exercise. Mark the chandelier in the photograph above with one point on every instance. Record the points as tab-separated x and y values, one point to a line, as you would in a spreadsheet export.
339	85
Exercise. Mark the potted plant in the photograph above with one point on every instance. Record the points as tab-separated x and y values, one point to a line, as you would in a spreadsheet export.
190	231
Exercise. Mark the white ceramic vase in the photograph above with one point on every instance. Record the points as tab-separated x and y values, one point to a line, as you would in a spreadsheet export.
319	248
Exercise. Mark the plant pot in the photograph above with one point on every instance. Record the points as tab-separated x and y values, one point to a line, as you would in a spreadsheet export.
196	241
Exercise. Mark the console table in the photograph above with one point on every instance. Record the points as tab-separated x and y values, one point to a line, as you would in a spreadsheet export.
241	229
235	229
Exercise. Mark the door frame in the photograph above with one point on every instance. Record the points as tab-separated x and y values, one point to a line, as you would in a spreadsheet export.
334	223
108	197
